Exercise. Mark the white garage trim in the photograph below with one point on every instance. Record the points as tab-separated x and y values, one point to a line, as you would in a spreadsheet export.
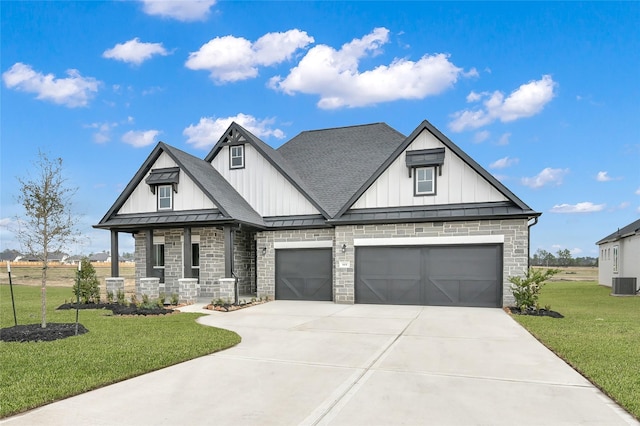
303	244
426	241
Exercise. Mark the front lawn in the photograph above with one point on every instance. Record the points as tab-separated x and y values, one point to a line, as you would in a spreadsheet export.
599	336
114	349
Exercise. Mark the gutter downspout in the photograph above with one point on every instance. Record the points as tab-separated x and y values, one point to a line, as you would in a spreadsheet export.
529	225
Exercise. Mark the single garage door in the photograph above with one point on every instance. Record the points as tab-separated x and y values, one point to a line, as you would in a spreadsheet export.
304	274
435	275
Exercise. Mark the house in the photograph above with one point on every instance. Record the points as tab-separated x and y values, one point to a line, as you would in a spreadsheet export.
100	257
620	255
52	257
359	214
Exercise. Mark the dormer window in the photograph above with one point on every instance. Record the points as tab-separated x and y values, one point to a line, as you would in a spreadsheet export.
425	162
236	157
165	197
163	183
425	181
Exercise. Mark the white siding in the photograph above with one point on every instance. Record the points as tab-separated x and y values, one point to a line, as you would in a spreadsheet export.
459	183
188	197
628	255
262	185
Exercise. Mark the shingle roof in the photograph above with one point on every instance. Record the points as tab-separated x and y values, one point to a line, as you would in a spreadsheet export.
211	182
335	163
274	157
231	206
631	229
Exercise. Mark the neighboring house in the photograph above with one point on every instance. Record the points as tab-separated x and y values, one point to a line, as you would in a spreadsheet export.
53	257
10	255
100	257
359	214
74	260
620	255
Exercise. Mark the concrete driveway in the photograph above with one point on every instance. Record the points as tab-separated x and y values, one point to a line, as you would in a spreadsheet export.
322	363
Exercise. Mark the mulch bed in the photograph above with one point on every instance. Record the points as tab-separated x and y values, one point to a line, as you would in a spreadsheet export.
119	309
35	332
534	312
55	331
227	307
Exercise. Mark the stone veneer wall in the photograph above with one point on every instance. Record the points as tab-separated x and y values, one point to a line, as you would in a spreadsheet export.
515	248
266	284
211	258
243	261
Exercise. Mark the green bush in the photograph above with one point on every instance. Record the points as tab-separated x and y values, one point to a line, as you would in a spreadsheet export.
526	290
89	284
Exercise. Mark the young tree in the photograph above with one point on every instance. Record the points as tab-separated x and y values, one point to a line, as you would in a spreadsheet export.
47	224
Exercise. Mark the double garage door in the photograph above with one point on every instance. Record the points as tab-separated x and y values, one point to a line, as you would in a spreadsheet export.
434	275
457	275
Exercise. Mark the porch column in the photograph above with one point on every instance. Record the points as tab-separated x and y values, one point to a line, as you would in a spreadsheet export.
186	249
148	246
115	264
228	251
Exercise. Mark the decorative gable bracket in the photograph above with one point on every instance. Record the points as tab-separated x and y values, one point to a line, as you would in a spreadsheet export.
234	137
425	158
169	175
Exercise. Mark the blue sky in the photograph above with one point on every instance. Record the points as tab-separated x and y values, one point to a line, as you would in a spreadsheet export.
546	96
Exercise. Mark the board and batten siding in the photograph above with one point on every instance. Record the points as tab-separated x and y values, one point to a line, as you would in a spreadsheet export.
188	197
262	185
459	183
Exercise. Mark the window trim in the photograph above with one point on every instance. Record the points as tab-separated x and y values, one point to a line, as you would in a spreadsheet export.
170	197
433	179
232	157
158	269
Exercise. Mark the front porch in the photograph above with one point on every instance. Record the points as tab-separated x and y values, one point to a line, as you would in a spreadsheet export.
193	264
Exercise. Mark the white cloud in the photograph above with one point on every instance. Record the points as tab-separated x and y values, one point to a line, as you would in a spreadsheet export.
585	207
604	177
528	100
103	132
186	11
547	176
73	91
504	163
638	191
504	139
140	138
575	251
232	58
334	75
481	136
209	129
134	52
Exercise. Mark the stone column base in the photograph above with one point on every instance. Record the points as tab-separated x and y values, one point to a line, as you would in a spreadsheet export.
225	290
114	285
188	290
149	287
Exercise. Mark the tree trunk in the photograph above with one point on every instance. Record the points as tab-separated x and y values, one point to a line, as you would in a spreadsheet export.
44	294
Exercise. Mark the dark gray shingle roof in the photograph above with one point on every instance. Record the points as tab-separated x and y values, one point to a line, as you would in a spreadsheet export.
231	206
631	229
335	163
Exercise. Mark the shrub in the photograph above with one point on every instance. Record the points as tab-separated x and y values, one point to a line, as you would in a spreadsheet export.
110	297
526	290
134	300
174	299
162	298
120	297
89	285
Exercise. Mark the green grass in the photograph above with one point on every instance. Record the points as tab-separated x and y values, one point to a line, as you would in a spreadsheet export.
114	349
599	336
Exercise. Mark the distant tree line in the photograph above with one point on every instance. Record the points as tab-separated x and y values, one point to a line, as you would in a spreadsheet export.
561	258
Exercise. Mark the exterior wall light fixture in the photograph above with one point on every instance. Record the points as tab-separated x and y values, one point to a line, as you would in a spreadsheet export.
264	251
344	248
